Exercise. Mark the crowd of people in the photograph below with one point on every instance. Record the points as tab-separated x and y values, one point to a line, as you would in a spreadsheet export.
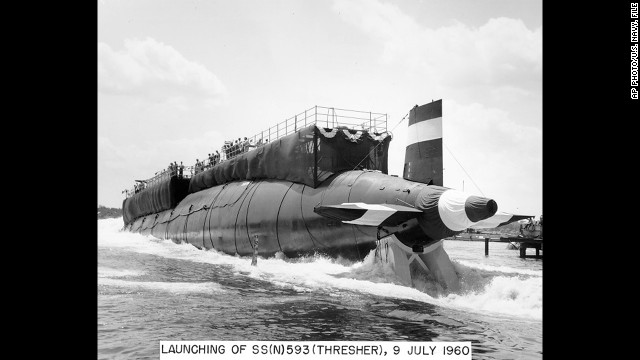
239	146
230	149
172	170
137	187
531	225
212	160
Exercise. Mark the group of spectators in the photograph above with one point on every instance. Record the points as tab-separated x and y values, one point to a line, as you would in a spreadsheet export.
532	225
137	187
230	149
174	169
213	159
171	170
240	146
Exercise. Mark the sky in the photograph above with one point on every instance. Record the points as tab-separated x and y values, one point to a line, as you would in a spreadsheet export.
177	78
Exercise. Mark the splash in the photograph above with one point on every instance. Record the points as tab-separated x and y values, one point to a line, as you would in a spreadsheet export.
130	279
499	269
172	287
485	289
107	272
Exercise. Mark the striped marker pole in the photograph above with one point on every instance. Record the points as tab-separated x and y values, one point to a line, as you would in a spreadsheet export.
423	156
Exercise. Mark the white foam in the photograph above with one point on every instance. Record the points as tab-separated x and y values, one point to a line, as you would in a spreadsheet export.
106	272
504	295
500	269
496	289
173	287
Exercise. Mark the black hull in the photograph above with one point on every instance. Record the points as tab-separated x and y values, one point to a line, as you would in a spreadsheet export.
280	213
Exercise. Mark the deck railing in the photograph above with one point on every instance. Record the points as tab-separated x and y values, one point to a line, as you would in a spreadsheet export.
328	117
321	116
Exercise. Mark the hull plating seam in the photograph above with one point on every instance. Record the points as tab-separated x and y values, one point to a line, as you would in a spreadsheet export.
209	215
304	221
246	217
278	215
254	187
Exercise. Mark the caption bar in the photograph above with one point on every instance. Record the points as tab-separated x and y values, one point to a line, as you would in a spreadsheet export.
351	350
634	50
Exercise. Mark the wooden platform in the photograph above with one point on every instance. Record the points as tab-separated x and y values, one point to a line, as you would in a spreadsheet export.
523	245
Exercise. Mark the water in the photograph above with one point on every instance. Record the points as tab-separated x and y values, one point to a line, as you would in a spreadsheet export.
151	290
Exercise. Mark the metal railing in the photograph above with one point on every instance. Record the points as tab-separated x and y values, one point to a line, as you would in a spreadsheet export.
158	177
327	117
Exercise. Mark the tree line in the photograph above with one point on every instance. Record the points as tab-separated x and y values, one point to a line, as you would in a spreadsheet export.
107	213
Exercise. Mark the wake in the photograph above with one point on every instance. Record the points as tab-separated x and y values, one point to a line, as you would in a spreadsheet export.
484	289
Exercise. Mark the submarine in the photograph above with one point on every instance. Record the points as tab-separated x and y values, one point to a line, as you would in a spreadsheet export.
321	186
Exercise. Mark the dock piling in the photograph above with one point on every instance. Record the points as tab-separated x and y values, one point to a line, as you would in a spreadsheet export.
486	246
254	259
523	244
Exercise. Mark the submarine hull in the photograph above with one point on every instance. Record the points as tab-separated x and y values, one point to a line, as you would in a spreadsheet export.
280	214
297	196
